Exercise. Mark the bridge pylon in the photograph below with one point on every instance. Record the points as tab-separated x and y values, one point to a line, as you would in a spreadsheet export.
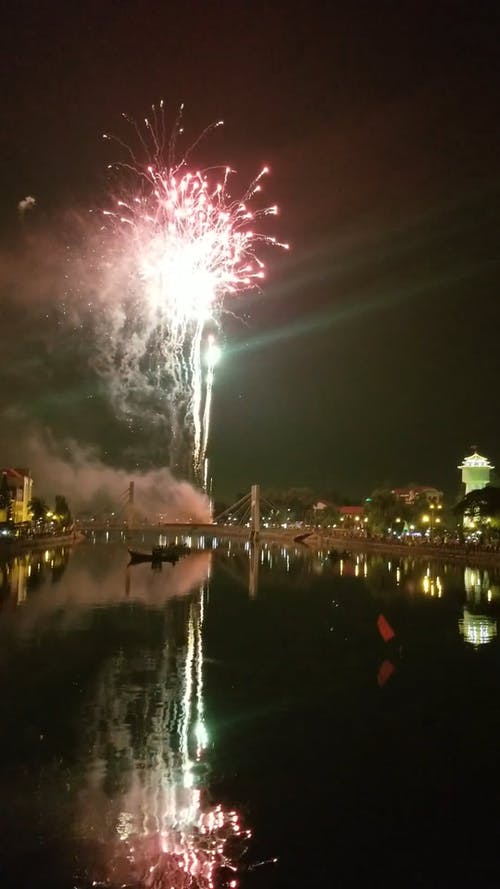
130	508
255	512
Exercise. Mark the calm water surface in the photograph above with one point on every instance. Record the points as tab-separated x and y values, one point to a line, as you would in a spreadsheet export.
238	720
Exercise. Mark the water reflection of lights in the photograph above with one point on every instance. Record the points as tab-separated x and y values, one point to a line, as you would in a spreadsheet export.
477	629
355	565
478	583
19	573
432	585
159	831
360	565
409	574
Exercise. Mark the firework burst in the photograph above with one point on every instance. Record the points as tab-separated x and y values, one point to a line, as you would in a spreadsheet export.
189	246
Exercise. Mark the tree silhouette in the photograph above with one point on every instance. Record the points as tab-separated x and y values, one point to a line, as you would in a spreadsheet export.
38	509
5	498
62	511
481	504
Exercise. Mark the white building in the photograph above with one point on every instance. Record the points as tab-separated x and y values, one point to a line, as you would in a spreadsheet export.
476	471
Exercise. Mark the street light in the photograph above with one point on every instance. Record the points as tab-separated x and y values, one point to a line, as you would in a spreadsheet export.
433	518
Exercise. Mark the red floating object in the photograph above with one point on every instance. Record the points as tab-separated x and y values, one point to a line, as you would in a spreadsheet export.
385	672
385	628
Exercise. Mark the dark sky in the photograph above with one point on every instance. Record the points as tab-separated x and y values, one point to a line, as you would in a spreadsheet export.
371	355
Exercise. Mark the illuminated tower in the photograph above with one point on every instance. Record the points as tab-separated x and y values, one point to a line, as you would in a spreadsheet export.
476	472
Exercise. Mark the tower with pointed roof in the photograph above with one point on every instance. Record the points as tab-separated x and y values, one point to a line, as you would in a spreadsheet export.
476	471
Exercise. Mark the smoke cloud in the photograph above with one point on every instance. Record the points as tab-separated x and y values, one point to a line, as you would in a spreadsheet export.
82	356
108	581
71	353
91	486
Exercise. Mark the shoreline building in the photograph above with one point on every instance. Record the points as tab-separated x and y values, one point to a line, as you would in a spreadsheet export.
20	485
476	472
412	493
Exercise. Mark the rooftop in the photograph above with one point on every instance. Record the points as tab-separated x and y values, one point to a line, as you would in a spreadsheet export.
475	460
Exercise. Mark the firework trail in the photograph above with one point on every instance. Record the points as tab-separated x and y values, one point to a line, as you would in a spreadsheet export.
212	357
188	246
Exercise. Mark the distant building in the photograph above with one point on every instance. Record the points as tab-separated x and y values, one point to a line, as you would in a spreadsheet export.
20	486
352	516
416	492
476	471
349	516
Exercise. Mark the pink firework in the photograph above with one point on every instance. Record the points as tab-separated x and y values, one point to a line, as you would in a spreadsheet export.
190	245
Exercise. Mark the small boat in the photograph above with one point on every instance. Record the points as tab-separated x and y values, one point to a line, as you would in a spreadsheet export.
301	538
172	552
336	555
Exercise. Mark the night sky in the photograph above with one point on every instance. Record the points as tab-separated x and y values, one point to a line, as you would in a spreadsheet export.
371	356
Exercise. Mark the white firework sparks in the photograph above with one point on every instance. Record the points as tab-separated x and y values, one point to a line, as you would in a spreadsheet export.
188	246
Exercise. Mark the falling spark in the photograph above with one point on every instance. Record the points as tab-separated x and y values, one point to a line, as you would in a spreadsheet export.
190	246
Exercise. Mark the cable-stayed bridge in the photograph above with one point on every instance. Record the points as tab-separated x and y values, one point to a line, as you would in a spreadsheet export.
242	519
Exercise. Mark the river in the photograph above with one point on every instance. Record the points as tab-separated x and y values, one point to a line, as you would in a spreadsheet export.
252	717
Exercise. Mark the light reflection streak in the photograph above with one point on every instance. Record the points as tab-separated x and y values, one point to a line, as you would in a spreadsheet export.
413	576
157	828
200	728
477	626
477	629
24	571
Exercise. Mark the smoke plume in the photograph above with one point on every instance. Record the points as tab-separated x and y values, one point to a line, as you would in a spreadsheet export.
93	487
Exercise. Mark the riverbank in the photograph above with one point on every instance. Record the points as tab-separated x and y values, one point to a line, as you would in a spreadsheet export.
43	541
451	553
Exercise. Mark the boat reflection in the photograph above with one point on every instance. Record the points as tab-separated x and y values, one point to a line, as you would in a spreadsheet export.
91	584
